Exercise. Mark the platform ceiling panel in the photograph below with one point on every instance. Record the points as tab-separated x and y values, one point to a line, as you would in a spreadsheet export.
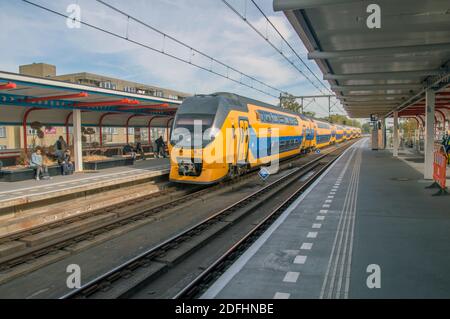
409	51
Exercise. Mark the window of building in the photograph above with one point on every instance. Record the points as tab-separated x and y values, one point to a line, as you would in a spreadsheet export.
110	130
31	131
2	132
108	85
70	130
3	147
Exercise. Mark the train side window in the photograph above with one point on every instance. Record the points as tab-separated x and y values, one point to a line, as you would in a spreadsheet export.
276	119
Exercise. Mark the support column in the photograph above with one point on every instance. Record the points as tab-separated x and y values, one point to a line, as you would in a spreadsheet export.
429	134
396	141
77	142
380	133
375	136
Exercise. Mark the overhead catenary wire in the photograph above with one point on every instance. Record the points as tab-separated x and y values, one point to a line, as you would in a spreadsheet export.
279	50
162	51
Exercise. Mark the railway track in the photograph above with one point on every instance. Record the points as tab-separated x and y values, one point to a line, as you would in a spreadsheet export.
143	272
50	239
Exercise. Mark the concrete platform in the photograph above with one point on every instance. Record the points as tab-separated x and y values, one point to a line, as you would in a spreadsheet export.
24	192
368	220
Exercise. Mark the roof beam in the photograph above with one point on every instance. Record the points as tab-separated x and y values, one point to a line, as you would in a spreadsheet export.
376	100
57	97
382	75
8	86
106	103
381	103
285	5
374	95
376	52
144	107
347	88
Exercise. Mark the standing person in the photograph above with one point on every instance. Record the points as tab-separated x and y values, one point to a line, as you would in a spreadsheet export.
37	164
160	147
446	143
60	147
140	150
67	164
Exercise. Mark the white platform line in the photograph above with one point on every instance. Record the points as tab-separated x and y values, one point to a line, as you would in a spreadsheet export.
300	259
291	276
312	234
281	295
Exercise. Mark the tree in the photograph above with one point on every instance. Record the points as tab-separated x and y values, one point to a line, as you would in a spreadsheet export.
342	120
310	113
366	128
289	102
409	127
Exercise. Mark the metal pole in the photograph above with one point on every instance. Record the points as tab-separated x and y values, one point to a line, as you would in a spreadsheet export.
396	138
329	108
429	133
77	145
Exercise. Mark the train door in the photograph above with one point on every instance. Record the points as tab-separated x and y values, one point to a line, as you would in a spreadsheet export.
242	138
304	144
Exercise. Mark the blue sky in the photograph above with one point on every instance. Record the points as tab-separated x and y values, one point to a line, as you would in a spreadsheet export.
32	35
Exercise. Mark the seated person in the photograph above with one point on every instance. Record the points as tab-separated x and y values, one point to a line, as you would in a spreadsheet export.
38	164
67	166
128	149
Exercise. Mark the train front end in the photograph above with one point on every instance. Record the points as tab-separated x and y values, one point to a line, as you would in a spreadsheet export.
196	142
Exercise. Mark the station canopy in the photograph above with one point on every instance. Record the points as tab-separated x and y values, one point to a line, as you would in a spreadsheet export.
52	102
377	71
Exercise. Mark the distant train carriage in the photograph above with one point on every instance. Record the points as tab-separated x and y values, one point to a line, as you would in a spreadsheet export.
323	134
333	133
339	134
347	133
224	135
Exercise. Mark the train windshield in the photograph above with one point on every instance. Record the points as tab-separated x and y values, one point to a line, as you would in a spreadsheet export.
191	130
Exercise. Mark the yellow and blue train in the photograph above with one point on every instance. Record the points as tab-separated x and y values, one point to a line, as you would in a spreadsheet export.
224	135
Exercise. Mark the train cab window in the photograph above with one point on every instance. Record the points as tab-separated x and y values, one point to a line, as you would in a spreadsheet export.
188	125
